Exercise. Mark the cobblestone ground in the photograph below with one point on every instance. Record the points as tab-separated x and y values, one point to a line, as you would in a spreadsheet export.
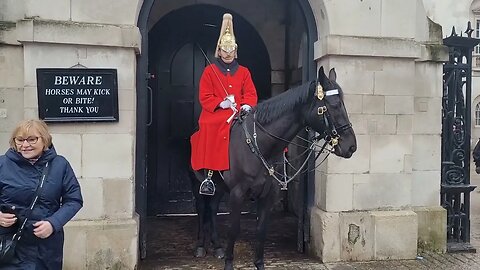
173	247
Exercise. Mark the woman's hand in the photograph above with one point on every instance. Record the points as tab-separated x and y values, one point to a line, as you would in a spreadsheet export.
7	219
43	229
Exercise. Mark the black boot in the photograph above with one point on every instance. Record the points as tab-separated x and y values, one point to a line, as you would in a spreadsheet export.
207	187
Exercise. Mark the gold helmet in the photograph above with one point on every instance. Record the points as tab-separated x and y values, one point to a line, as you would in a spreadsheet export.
226	41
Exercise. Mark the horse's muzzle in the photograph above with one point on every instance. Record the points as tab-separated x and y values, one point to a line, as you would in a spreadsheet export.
350	151
345	153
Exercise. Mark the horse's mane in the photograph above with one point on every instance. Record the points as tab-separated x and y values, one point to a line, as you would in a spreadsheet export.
272	108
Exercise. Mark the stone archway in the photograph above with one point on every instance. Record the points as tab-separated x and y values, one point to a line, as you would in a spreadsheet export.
143	117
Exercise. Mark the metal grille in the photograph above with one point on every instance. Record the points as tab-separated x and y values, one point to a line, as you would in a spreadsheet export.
456	123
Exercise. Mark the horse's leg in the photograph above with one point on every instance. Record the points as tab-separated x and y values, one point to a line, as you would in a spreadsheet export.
215	239
201	205
236	199
264	209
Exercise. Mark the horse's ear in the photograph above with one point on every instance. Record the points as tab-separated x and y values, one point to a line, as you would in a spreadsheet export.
321	75
332	75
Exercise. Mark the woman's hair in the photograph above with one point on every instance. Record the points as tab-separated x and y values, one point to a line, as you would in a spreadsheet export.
24	128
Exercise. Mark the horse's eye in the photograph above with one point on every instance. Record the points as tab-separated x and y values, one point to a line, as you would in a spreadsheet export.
334	100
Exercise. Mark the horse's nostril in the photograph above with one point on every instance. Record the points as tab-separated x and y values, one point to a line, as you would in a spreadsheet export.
353	148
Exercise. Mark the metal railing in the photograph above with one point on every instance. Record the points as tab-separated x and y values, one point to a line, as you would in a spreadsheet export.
456	123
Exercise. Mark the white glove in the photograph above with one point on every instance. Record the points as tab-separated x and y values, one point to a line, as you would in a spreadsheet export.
246	108
225	104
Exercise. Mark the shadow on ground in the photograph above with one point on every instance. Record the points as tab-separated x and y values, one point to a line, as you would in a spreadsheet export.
171	243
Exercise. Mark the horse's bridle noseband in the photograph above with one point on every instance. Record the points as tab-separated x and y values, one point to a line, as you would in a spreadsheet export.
331	133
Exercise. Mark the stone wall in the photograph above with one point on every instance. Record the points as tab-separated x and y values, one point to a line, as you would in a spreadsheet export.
59	34
390	70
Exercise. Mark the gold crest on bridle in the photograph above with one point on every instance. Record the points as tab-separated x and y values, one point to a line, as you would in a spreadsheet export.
320	93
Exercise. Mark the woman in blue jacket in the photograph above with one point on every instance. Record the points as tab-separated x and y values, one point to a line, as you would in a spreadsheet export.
41	246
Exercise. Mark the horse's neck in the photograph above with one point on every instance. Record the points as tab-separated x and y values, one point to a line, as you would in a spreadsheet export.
285	127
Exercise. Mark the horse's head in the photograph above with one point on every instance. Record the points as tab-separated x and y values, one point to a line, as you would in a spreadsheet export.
328	116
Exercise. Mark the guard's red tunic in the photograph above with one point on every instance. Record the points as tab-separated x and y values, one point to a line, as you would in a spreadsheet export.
210	142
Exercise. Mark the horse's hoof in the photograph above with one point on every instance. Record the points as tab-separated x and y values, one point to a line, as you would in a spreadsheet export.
219	253
200	252
260	265
228	265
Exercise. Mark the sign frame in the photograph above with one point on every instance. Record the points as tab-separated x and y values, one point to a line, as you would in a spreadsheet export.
65	93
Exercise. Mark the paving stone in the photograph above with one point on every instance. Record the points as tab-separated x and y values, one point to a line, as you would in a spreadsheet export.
174	242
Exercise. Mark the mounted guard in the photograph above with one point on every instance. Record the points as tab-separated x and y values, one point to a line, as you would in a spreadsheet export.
225	89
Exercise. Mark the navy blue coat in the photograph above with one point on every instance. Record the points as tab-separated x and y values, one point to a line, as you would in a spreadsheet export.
59	201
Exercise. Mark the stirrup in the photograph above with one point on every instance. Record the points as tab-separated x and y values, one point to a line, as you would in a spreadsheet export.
207	187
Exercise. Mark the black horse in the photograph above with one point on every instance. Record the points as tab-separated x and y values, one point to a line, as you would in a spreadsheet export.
257	141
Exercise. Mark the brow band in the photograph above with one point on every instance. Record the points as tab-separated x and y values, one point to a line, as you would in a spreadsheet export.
331	92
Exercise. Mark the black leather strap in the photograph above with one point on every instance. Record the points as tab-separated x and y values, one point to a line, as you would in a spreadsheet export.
19	232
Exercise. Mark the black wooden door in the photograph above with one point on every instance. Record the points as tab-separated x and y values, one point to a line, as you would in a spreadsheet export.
178	65
177	115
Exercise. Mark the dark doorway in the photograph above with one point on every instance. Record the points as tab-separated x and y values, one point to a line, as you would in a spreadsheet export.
279	54
178	44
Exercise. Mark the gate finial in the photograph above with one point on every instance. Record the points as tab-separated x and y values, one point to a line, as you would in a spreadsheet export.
453	32
469	30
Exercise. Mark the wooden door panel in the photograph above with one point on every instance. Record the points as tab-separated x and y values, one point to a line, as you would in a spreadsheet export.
176	116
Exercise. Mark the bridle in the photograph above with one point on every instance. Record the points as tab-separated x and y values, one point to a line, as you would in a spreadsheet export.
330	135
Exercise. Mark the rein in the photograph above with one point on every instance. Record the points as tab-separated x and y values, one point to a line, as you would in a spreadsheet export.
330	135
254	148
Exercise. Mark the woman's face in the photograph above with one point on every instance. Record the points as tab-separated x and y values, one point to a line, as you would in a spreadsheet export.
226	57
30	145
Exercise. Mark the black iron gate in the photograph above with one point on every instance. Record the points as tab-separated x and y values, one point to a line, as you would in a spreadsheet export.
456	123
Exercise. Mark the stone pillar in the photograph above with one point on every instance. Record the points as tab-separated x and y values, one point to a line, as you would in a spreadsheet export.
11	71
372	206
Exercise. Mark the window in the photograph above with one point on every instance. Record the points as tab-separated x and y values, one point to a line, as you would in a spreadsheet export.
477	114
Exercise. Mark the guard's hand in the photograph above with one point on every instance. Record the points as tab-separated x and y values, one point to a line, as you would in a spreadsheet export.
225	104
246	108
43	229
